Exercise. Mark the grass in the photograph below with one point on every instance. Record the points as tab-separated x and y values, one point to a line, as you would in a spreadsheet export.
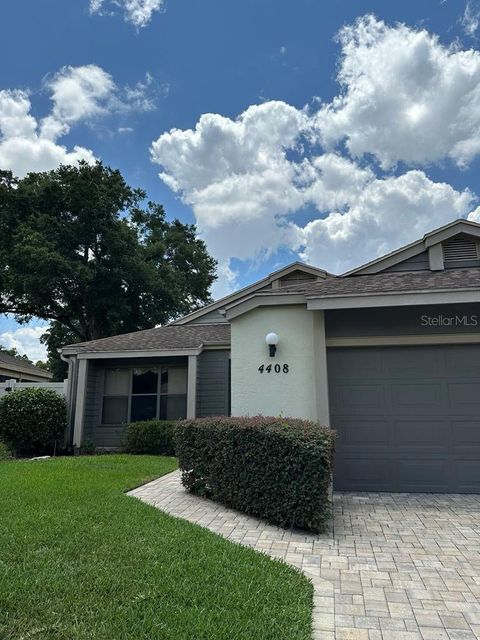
79	560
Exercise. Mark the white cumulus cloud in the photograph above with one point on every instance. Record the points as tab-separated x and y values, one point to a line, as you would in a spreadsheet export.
236	174
247	179
137	12
405	96
78	94
26	340
387	214
253	180
23	145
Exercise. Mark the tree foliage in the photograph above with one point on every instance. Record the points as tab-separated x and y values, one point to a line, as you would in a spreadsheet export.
82	249
12	351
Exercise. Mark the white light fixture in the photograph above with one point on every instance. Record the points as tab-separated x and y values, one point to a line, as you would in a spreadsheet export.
272	340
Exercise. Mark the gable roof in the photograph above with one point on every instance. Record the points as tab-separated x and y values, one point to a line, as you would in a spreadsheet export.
22	366
184	337
252	288
418	246
167	338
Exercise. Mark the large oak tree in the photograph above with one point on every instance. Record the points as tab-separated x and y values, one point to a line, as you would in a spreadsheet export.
85	251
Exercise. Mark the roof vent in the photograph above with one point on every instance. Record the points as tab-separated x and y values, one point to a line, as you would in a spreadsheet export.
459	252
296	277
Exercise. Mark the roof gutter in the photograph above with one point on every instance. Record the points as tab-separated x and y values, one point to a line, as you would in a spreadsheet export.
146	353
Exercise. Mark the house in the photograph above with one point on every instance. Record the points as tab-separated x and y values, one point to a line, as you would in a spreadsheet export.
387	354
14	368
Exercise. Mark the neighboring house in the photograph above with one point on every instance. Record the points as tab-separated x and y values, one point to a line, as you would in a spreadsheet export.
388	355
12	368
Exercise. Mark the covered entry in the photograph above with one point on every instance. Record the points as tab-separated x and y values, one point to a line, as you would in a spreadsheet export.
407	418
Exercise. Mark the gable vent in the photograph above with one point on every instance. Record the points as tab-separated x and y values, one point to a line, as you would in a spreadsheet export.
296	277
460	252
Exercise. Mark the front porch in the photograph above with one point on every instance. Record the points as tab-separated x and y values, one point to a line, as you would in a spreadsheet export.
111	392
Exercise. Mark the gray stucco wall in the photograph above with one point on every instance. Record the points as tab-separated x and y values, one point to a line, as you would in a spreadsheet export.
418	320
213	384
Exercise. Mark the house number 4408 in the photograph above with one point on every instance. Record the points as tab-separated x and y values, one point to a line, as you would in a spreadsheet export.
276	368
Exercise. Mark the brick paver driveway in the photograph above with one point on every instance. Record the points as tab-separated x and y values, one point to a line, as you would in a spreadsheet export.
392	567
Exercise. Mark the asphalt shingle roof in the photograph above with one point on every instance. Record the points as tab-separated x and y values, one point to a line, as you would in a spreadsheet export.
450	279
11	362
187	336
193	336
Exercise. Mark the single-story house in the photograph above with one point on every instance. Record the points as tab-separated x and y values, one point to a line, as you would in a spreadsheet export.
387	354
12	368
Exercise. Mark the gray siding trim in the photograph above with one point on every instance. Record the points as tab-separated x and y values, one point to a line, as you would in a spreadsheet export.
462	264
213	317
403	321
108	436
213	385
93	401
419	262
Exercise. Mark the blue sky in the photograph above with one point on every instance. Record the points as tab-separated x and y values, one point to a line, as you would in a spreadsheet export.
295	162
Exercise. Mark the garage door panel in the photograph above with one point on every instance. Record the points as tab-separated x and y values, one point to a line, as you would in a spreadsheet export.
464	396
364	398
415	427
367	474
423	474
462	361
399	364
408	397
467	434
356	366
422	433
467	478
362	433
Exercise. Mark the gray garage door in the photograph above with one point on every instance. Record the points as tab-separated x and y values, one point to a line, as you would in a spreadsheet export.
407	418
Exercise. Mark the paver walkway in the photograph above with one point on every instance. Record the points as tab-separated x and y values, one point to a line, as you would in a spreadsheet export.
393	567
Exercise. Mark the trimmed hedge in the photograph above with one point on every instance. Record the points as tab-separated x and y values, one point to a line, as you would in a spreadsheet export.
150	437
32	420
274	468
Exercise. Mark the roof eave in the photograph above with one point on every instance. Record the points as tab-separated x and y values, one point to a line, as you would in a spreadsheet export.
393	298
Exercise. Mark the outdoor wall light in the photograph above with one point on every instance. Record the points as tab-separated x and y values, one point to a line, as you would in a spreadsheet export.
272	340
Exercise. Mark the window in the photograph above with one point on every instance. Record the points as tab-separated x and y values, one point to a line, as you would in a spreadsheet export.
115	396
173	393
143	393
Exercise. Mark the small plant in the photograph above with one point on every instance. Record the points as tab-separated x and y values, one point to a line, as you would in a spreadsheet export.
87	448
273	468
32	421
150	437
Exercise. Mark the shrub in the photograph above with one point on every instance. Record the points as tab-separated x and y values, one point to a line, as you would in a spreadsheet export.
274	468
150	436
5	453
32	420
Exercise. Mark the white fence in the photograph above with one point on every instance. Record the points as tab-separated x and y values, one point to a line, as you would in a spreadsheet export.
13	385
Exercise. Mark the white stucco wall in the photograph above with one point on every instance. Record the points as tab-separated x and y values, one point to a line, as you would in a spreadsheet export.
300	393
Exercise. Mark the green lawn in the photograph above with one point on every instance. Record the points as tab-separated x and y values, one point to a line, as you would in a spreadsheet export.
79	560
